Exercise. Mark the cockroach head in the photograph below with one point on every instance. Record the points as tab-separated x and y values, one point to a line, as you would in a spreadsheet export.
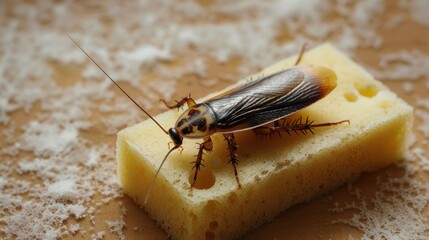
175	136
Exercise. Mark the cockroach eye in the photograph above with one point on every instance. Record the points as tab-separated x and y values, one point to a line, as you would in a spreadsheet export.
175	136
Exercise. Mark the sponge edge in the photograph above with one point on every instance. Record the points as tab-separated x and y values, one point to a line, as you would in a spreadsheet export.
274	174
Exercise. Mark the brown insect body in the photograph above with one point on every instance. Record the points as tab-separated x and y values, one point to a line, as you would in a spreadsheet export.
258	102
250	106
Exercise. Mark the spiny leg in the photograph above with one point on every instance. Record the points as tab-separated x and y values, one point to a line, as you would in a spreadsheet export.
188	100
206	145
301	53
232	147
297	126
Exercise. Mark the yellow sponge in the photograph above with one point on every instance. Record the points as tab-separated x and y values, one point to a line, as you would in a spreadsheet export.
275	173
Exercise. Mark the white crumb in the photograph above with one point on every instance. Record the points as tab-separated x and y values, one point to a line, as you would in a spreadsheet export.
394	212
45	139
74	228
98	235
419	11
77	210
63	189
403	65
424	126
117	227
408	87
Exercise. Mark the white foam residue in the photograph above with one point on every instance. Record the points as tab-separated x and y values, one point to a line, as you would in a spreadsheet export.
117	227
64	189
394	21
423	102
45	139
366	11
35	220
200	68
422	160
394	212
145	55
77	210
165	89
403	65
408	87
419	10
74	228
98	235
188	37
424	117
92	159
2	183
40	167
141	57
5	107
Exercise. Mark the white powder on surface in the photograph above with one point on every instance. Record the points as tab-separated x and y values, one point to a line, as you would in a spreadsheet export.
395	211
45	139
424	117
419	11
98	235
74	228
57	109
64	189
403	65
408	87
117	227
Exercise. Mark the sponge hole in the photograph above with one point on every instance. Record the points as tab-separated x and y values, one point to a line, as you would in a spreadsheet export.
367	90
205	180
351	96
385	105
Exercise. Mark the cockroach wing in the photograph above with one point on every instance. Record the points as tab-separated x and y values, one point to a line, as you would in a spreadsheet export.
271	97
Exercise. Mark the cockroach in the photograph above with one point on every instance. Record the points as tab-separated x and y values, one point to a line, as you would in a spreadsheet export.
260	105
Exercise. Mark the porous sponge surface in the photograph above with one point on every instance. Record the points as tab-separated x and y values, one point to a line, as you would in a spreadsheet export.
274	173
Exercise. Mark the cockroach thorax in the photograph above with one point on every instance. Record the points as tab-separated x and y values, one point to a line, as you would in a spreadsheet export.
196	122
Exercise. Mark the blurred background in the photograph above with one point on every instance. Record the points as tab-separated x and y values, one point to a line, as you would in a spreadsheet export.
59	115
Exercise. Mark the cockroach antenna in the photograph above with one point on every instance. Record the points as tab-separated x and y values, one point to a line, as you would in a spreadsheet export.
111	79
146	198
172	133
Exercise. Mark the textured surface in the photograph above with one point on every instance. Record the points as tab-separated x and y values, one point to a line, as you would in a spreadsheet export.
276	173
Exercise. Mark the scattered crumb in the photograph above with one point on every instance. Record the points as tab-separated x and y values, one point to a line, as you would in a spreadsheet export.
117	227
424	126
74	228
408	87
64	189
78	211
98	235
395	210
419	11
403	65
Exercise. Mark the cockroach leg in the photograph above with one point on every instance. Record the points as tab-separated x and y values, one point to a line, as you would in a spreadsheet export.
188	100
297	126
206	145
277	124
301	53
232	147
